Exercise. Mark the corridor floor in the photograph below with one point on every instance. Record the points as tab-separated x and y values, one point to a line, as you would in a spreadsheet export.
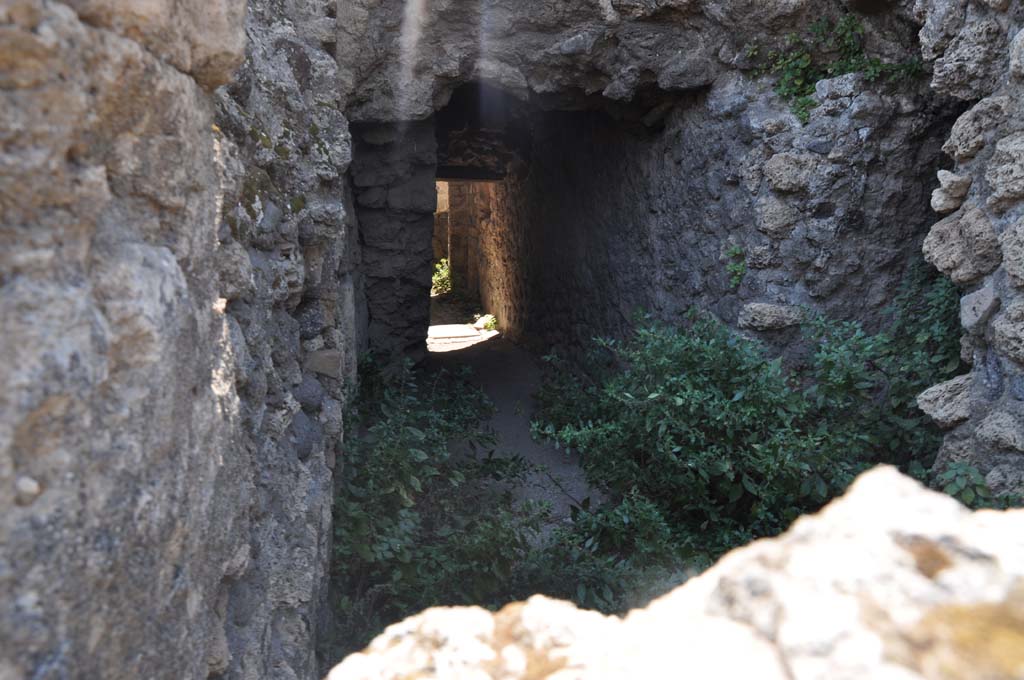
510	376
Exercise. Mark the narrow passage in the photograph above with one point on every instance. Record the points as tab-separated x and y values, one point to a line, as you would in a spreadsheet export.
510	376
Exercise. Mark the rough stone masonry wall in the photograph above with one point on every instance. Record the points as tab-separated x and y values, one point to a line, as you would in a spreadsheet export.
180	323
296	298
125	487
463	236
609	217
561	48
603	220
977	50
393	173
180	304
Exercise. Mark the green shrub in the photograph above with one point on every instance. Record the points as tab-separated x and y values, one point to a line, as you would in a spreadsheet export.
827	50
736	266
415	525
694	434
698	441
699	423
966	484
865	386
441	281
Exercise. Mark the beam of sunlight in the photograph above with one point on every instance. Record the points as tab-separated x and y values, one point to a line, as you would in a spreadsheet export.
413	19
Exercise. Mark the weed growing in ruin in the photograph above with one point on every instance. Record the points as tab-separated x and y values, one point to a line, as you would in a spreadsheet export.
416	525
828	49
441	281
736	266
696	435
966	484
867	384
700	425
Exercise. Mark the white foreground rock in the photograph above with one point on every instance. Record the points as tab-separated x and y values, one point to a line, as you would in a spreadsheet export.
892	581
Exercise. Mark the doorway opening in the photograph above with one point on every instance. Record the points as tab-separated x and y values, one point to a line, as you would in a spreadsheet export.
458	319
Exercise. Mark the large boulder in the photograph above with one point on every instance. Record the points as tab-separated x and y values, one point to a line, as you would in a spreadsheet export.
890	581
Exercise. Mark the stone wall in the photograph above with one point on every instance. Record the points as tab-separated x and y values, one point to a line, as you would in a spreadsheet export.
563	50
295	296
125	481
181	317
464	235
685	168
393	172
611	217
890	581
185	287
977	50
441	223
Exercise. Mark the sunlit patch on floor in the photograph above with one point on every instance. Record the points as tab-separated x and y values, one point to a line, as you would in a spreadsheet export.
451	337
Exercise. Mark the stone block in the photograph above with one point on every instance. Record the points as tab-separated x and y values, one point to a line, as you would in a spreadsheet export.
1012	241
1005	172
950	195
964	246
776	218
976	308
1008	331
416	194
770	317
789	172
948	404
1003	430
329	362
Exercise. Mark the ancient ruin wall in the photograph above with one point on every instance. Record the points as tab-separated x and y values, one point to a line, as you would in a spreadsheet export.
561	48
977	52
729	204
297	299
602	219
393	175
180	313
125	489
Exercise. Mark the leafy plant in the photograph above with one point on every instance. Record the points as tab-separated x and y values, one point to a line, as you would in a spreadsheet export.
827	50
441	280
490	321
736	266
696	435
866	385
696	438
415	525
699	423
966	484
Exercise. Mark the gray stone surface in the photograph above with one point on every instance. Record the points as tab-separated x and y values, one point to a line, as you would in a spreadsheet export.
977	308
763	316
964	246
564	50
976	48
951	192
125	485
397	162
891	581
948	404
292	215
